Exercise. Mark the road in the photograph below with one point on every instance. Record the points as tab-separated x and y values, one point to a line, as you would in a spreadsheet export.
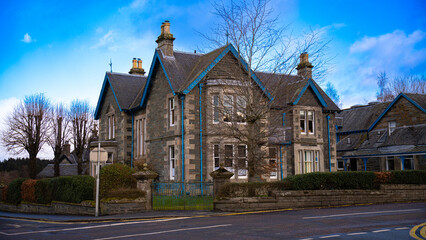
391	221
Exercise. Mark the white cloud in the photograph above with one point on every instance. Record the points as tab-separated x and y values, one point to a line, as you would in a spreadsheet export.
135	6
104	40
27	38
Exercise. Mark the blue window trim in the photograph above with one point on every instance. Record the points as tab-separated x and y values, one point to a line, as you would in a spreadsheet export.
283	119
148	81
229	48
101	97
314	88
390	106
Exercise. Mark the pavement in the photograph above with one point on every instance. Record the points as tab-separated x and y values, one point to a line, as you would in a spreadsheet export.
107	218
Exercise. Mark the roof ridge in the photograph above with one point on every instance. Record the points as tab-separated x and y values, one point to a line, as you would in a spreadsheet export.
126	74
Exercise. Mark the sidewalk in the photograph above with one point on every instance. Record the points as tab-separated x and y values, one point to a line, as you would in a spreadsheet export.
123	217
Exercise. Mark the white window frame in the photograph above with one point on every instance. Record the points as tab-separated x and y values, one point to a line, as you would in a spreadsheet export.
172	162
308	121
111	126
302	125
172	107
391	127
317	161
273	174
216	156
228	108
242	173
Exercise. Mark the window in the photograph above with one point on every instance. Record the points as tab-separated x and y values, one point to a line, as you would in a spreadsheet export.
228	108
242	161
340	165
229	158
111	127
215	109
171	112
310	122
302	121
390	163
216	158
308	168
391	126
408	163
307	122
309	161
316	162
241	109
140	127
273	162
172	161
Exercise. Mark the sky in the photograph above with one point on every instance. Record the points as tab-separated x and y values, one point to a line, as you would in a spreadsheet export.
63	48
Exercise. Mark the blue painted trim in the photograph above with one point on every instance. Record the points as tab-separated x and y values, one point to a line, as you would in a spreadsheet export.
133	123
350	132
286	143
365	163
283	119
281	163
345	161
183	140
328	133
386	154
402	162
101	97
148	81
390	105
314	88
229	48
200	86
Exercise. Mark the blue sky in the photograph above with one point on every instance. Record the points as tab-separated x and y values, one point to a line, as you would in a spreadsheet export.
62	48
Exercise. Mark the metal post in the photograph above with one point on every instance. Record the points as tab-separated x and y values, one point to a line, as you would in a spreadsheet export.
183	142
97	181
344	163
201	141
281	162
328	132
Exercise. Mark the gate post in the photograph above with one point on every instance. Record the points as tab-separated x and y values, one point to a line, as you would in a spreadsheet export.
144	180
220	177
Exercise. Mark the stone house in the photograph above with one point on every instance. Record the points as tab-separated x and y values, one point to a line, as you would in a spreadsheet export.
383	136
167	117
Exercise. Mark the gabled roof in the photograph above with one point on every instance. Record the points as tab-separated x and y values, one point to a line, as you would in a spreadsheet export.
419	97
360	118
288	89
125	88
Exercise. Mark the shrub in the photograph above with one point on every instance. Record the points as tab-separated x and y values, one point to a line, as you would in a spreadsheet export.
14	191
116	176
28	190
74	189
4	195
408	177
129	193
43	191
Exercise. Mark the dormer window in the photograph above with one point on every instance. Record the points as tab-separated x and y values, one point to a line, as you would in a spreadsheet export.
391	126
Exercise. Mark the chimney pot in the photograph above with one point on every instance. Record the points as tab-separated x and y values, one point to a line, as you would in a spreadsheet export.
139	63
304	68
165	40
134	62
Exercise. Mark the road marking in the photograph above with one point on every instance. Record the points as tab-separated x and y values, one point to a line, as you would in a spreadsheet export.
381	230
162	232
361	213
358	233
422	231
91	227
330	236
402	228
306	239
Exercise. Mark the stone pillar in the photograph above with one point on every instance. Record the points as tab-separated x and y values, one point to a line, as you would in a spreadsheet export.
220	177
144	181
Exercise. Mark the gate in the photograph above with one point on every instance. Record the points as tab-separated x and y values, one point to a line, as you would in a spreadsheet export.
182	195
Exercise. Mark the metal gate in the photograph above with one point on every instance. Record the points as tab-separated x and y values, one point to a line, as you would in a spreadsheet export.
182	195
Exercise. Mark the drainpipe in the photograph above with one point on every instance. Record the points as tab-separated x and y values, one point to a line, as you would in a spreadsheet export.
365	163
328	133
200	86
402	162
281	162
131	156
182	98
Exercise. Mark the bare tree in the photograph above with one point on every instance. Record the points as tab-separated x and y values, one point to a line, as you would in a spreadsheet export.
248	114
81	119
58	133
27	128
388	90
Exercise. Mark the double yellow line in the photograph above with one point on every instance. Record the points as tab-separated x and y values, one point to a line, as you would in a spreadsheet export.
422	231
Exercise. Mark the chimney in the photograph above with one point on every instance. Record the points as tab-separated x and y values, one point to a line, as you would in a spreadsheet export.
165	40
67	149
304	69
137	67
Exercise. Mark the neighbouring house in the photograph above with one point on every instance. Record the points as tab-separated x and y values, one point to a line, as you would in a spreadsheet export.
383	136
166	118
67	164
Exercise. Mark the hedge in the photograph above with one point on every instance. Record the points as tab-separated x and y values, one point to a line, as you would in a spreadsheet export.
324	181
74	189
116	176
14	191
43	191
28	190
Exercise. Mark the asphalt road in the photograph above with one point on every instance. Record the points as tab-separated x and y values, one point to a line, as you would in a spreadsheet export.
391	221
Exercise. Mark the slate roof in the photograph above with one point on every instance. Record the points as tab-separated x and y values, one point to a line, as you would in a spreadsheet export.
360	118
287	88
64	170
126	87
